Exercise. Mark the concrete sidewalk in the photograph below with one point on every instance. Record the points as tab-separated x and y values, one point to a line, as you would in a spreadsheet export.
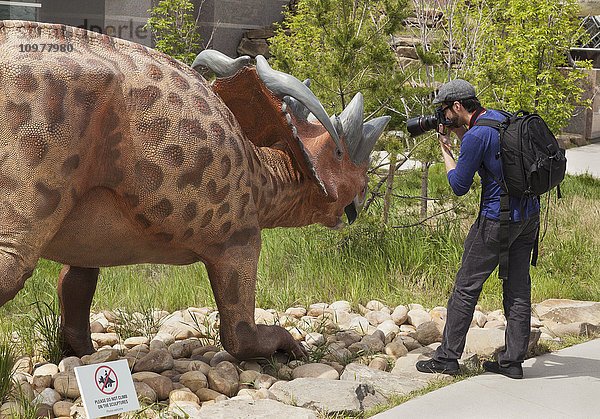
562	384
585	159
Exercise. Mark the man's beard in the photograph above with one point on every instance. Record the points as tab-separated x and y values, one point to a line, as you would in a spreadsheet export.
453	120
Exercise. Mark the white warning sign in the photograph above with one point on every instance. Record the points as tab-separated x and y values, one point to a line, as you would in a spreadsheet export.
106	389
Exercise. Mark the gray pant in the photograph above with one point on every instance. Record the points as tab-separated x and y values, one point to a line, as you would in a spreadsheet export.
480	258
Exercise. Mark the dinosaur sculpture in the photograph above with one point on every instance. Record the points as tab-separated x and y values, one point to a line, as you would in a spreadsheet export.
112	153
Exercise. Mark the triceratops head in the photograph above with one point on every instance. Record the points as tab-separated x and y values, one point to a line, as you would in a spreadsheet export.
334	150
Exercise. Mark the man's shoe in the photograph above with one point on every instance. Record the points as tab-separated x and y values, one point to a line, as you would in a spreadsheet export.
442	367
513	371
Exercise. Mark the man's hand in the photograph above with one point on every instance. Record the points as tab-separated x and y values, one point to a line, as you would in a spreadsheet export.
444	139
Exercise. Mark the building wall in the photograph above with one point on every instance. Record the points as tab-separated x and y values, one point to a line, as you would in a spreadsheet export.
222	21
231	18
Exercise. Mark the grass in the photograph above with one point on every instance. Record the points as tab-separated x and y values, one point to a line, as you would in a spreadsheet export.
7	362
364	262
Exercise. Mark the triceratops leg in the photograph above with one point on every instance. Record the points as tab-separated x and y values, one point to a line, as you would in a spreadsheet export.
13	274
76	287
233	280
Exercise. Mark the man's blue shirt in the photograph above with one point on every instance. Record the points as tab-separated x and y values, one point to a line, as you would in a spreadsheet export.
481	145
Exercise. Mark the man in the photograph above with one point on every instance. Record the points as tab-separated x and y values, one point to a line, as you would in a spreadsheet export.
479	153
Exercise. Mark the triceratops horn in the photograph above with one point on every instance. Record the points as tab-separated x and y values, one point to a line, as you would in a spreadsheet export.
351	120
219	63
286	85
297	108
371	132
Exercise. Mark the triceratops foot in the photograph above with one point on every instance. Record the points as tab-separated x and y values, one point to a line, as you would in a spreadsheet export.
75	344
276	338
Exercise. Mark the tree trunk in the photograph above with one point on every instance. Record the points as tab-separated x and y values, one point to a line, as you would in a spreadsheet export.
388	190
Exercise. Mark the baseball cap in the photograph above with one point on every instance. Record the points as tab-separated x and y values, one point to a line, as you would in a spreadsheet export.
454	90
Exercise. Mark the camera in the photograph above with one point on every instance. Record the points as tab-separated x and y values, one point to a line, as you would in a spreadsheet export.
421	124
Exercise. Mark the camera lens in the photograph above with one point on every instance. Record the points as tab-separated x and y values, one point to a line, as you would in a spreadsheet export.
420	124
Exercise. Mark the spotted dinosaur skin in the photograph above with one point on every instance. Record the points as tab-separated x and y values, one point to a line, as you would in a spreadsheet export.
116	154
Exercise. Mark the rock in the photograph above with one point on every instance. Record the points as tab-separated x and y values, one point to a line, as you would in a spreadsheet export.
359	324
535	322
385	383
485	342
469	361
248	377
389	329
155	361
203	367
161	385
46	369
23	364
223	356
263	393
206	394
314	339
408	341
375	342
375	305
135	341
379	364
341	305
105	339
178	329
97	327
194	380
331	396
185	409
439	313
66	384
396	349
48	396
102	356
42	375
318	309
297	312
315	370
62	408
360	348
297	334
11	410
534	337
377	317
264	381
183	396
405	366
575	329
491	324
263	316
348	337
496	315
429	332
418	316
243	409
145	393
69	363
400	315
479	318
568	311
164	337
181	349
224	378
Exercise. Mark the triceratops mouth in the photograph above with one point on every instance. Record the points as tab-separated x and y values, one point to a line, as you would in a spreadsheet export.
351	212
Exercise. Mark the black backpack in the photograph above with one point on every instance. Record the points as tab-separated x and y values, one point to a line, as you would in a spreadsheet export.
532	164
